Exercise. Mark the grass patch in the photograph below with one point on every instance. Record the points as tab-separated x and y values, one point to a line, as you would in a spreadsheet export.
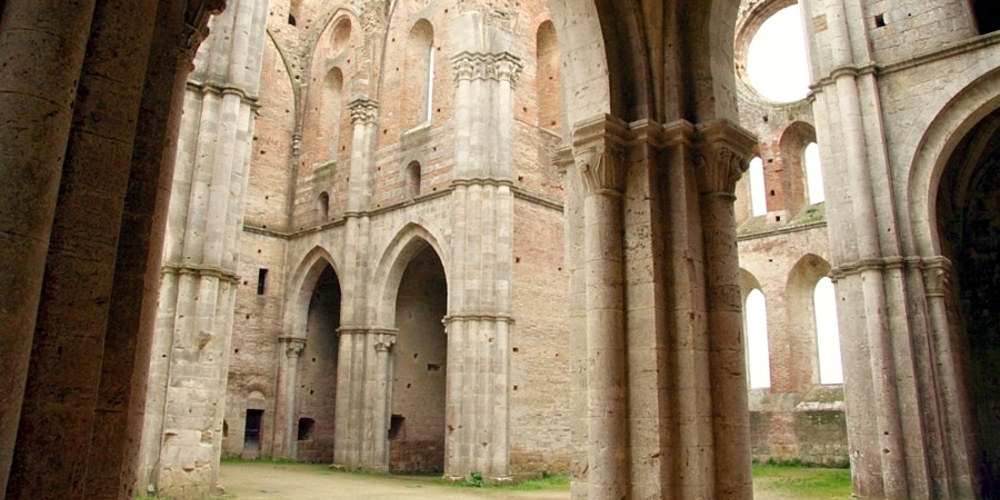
804	482
549	482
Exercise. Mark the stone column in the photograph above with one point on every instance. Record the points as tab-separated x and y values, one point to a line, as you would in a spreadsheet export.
479	306
291	348
38	84
600	157
948	349
725	151
86	389
182	441
384	340
867	264
358	443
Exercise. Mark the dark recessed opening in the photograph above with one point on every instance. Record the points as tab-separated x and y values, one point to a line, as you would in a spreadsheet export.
880	21
261	281
395	426
305	429
291	19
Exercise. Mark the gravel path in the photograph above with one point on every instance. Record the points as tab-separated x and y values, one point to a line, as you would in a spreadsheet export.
268	481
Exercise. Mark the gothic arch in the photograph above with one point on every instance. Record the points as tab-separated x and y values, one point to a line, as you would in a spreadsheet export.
301	288
802	280
934	148
409	241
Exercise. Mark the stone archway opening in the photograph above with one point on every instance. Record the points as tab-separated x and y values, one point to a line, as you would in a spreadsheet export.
417	424
968	210
317	383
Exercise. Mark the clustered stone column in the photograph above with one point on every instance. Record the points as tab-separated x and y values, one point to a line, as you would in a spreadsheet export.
97	130
364	363
658	362
182	439
364	395
479	318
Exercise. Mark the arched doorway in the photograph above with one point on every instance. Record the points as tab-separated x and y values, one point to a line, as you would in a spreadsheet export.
317	384
417	424
968	218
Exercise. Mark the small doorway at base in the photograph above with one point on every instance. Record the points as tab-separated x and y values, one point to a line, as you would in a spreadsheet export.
416	431
251	434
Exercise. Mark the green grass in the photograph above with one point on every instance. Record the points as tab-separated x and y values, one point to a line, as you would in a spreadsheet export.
807	483
549	482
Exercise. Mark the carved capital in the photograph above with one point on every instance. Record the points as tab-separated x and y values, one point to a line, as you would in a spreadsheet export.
363	111
602	170
937	277
503	66
724	154
384	341
292	346
601	155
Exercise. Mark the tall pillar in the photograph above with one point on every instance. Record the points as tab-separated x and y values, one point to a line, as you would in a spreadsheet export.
892	398
359	441
85	388
38	84
600	155
479	305
290	348
725	152
182	439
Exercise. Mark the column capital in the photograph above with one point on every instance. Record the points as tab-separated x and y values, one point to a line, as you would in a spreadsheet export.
363	111
724	154
600	153
293	346
937	276
384	340
500	66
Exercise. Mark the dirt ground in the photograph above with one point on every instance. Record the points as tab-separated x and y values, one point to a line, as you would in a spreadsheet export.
264	481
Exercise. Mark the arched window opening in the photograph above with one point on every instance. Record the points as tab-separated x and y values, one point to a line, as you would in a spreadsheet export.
758	361
831	370
332	105
814	173
323	206
341	37
758	193
548	86
413	179
776	62
420	72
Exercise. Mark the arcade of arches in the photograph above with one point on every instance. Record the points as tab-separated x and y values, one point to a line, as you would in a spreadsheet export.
499	237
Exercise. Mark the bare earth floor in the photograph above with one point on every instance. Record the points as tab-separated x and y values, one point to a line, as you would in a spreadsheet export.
268	481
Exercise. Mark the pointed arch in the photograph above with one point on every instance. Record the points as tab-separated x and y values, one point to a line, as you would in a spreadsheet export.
933	147
301	288
408	242
800	290
756	331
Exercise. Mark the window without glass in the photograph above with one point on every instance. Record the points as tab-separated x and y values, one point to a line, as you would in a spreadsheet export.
831	370
758	194
758	362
